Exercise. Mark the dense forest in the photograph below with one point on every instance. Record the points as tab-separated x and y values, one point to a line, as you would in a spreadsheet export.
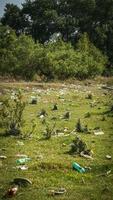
57	39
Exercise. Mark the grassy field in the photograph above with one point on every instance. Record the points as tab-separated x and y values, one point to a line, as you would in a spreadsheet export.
51	164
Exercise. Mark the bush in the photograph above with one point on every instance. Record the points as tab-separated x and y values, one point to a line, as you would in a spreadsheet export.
49	130
78	146
93	62
12	114
80	128
63	61
20	56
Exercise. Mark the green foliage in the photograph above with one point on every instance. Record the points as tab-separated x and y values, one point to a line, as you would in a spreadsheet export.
43	18
92	60
24	54
12	113
7	46
62	61
49	130
20	56
15	18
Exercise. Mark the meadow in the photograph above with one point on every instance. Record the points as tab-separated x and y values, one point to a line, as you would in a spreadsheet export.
51	163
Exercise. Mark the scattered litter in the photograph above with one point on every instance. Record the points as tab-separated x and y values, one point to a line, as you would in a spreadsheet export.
41	116
22	161
58	191
87	168
20	143
22	181
108	157
3	157
23	167
86	155
83	180
60	134
77	167
108	173
107	87
98	132
73	132
11	192
21	155
66	129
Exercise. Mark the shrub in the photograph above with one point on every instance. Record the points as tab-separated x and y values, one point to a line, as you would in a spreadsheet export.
78	146
80	128
92	62
49	130
20	56
63	61
12	114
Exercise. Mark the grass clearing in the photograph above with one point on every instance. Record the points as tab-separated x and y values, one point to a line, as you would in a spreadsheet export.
51	164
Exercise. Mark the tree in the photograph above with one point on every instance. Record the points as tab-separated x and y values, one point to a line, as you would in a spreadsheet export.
93	62
43	16
102	30
7	46
14	18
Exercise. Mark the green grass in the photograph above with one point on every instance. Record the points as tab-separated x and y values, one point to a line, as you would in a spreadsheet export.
54	169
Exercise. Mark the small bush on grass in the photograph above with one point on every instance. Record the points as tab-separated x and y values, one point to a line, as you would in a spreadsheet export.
80	128
49	130
78	146
12	114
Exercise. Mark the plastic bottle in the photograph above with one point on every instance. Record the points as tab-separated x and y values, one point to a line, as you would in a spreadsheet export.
77	167
22	161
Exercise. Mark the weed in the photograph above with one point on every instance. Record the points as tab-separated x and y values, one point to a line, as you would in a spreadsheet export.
49	130
87	115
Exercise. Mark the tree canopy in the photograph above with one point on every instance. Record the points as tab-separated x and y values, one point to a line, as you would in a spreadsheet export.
70	19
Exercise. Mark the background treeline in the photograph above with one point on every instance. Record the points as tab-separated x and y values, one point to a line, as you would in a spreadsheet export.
21	56
57	38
